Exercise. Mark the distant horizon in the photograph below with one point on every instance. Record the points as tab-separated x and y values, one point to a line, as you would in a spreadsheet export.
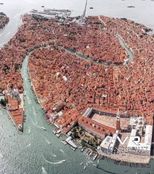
14	9
76	93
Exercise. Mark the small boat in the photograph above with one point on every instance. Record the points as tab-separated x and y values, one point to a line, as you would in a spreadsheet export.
81	163
58	135
73	148
58	131
20	127
94	157
43	170
82	150
34	11
54	131
64	142
90	153
130	6
43	128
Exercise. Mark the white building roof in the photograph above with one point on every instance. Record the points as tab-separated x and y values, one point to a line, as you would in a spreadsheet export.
109	142
133	133
148	134
88	112
106	142
114	140
137	121
135	145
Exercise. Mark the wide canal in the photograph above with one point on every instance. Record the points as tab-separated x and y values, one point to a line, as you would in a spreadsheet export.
38	150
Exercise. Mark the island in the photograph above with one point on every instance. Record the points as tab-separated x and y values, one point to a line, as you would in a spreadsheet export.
3	20
93	77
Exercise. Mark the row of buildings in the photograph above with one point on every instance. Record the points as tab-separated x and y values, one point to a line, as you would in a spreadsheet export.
135	137
14	106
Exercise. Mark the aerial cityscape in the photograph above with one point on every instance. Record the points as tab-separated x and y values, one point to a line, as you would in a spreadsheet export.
76	90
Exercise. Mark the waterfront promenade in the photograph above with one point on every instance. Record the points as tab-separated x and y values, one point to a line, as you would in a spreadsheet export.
39	151
42	148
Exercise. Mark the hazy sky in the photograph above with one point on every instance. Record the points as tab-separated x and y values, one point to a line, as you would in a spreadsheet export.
142	13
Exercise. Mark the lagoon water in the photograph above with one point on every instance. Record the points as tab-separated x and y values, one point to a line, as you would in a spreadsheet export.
142	13
39	151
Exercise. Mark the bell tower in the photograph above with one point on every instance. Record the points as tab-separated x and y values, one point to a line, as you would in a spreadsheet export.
118	127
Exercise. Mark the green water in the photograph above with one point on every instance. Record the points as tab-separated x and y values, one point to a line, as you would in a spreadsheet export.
39	151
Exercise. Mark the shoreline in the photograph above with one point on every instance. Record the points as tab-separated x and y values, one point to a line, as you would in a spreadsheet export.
121	161
3	20
32	86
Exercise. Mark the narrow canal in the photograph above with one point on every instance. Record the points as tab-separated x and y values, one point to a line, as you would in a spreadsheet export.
39	151
130	54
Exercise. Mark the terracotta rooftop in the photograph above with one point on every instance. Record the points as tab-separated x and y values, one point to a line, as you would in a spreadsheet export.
95	128
58	74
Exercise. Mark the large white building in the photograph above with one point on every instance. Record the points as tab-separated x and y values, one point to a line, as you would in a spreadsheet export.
136	146
109	143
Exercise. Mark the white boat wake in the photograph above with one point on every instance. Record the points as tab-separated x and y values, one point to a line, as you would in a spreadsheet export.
41	127
47	141
61	150
43	170
28	145
28	100
55	163
53	155
1	156
36	125
29	131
